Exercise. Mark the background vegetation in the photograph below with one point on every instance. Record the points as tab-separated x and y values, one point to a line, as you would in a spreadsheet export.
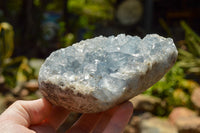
31	29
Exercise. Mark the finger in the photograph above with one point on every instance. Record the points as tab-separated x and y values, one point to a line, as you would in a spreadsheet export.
27	112
85	124
115	120
57	117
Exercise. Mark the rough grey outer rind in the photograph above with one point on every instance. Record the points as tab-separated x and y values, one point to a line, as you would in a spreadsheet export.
89	104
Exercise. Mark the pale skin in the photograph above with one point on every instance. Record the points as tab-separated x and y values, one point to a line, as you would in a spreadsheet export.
39	116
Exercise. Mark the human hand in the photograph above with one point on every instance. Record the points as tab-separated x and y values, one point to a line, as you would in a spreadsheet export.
42	117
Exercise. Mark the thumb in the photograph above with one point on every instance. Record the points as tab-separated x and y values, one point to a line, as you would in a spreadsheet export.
27	113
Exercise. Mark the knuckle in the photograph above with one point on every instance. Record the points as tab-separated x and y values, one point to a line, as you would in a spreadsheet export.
18	102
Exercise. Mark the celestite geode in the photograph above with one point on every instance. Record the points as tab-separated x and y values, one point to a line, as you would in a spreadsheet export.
97	74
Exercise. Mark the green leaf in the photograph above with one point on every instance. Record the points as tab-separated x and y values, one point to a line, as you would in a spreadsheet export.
6	41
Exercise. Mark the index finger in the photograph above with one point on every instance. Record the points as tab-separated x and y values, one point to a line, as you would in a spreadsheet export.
111	121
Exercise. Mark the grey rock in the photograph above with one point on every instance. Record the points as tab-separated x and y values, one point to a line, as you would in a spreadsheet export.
157	125
31	85
181	113
186	120
188	125
195	98
137	119
146	103
97	74
130	129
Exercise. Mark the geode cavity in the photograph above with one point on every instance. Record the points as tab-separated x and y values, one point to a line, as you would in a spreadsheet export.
97	74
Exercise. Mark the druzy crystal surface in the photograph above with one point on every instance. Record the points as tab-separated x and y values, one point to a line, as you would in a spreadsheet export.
96	74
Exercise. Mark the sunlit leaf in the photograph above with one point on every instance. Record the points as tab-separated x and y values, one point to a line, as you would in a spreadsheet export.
6	41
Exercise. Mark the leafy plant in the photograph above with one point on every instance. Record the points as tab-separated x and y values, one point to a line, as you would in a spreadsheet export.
173	89
80	18
6	42
96	9
14	70
189	55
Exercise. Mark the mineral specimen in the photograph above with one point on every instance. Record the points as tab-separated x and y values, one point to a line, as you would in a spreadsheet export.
97	74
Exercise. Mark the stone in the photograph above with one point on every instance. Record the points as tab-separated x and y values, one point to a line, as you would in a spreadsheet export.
157	125
23	93
31	85
181	113
188	125
146	103
186	120
137	119
2	79
195	98
130	129
97	74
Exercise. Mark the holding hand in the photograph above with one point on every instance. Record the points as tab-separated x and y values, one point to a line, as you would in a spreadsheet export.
42	117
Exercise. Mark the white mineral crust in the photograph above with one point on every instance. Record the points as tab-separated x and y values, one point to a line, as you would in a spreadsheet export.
96	74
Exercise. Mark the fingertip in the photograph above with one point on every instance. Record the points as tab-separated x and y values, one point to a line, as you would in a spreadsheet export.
115	119
128	105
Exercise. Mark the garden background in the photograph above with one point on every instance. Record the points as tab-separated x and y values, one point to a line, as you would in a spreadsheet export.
31	29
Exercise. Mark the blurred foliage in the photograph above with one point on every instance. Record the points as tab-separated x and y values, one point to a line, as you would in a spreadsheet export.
189	55
15	70
173	89
165	27
83	15
102	9
69	21
77	21
6	42
66	39
97	9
